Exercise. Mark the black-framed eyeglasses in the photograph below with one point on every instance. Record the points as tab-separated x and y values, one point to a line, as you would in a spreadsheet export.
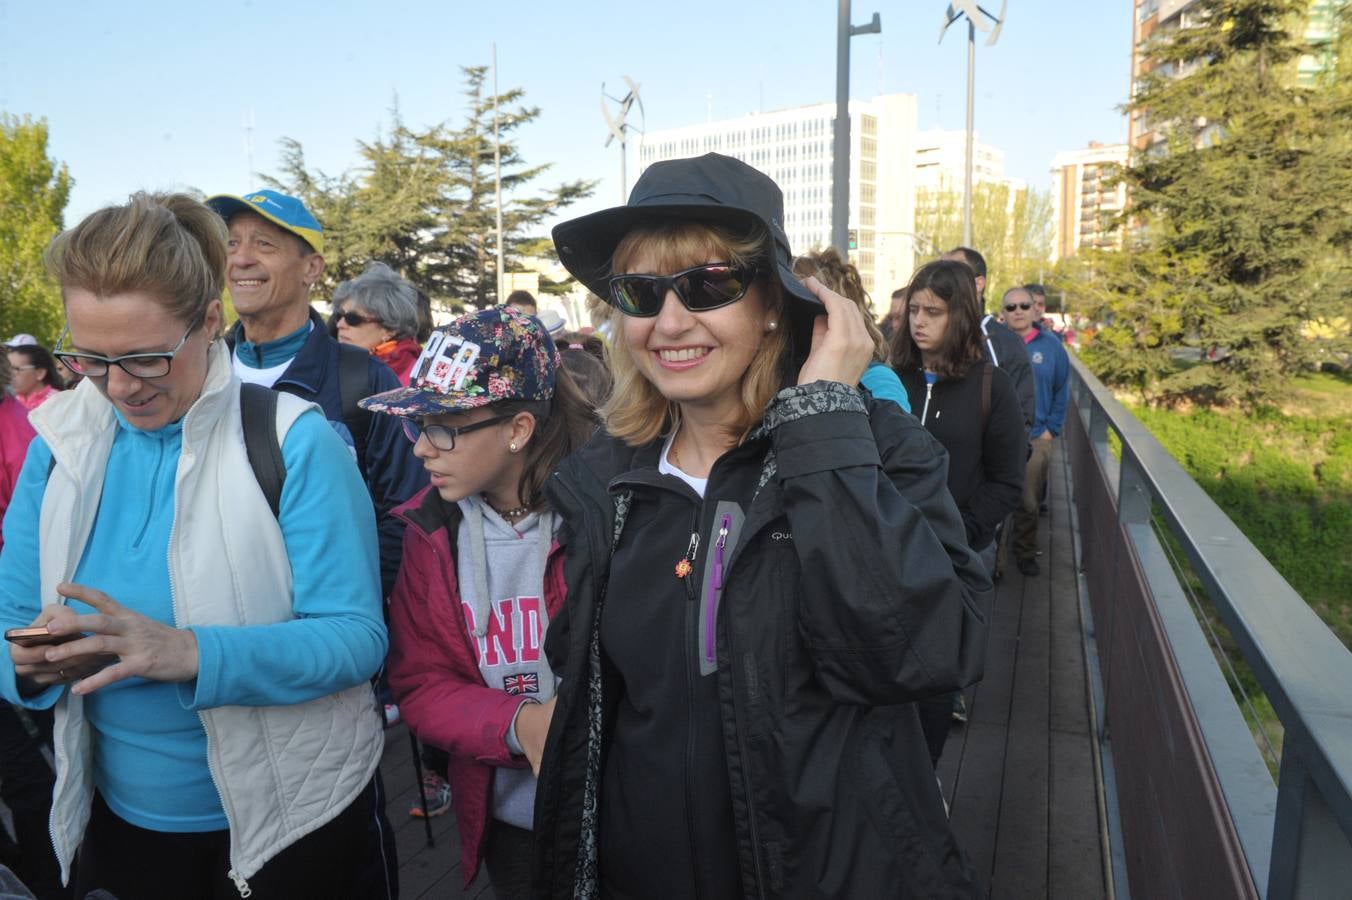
700	289
355	320
1010	307
443	436
137	365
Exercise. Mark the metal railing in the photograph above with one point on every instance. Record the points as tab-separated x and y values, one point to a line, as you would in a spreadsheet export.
1200	814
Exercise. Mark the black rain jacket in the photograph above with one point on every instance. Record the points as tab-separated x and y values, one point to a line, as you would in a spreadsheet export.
823	639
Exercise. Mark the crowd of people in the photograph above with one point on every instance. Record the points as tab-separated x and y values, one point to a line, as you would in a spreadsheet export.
679	606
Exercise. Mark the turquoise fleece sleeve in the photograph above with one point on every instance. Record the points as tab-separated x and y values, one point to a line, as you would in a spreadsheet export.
20	589
884	384
338	637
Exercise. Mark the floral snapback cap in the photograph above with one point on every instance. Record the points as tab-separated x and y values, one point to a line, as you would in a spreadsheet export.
483	357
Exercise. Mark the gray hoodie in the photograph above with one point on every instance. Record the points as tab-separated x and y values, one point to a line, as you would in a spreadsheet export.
502	575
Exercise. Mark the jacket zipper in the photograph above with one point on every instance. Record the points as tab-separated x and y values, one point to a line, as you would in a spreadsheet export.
691	613
66	855
741	746
710	622
151	500
929	389
241	885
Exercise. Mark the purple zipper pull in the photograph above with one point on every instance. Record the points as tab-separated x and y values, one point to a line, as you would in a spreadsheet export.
718	551
712	620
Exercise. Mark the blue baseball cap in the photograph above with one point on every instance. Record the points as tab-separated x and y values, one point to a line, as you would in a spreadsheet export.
279	209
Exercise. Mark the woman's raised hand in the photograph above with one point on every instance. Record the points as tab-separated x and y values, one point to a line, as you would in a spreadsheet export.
141	646
841	346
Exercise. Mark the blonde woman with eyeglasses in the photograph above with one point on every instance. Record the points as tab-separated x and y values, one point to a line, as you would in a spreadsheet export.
215	730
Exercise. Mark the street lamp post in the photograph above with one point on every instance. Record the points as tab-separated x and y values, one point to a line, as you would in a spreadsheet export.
977	17
840	158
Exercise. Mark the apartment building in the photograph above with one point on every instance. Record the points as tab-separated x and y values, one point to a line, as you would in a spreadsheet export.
1086	200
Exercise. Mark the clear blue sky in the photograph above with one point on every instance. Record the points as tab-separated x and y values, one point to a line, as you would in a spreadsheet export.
153	94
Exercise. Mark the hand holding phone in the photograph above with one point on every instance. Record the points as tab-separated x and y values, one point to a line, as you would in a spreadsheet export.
28	648
38	636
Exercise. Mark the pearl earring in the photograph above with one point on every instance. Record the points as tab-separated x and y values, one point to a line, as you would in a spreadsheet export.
772	326
512	446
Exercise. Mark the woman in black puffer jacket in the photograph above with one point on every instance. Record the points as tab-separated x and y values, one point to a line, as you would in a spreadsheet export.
764	568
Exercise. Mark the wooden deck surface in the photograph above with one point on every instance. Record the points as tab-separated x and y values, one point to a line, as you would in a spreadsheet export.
1019	776
424	872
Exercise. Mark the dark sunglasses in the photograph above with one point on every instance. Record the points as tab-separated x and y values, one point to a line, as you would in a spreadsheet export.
1010	307
700	289
443	436
354	320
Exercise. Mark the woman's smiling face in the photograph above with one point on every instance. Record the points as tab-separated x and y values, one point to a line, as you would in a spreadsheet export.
695	359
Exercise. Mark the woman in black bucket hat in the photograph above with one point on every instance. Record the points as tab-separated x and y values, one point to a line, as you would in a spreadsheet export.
764	569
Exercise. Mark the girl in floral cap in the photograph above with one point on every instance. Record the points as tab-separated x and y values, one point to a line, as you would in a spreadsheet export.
491	414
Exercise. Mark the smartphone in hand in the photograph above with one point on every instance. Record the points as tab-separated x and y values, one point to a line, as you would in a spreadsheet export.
38	637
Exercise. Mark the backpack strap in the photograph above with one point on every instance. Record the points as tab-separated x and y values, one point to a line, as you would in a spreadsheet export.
258	413
987	372
354	383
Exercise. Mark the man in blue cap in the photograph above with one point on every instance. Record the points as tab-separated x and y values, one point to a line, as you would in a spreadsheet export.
275	257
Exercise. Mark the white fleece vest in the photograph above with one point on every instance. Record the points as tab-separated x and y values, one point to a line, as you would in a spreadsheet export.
281	771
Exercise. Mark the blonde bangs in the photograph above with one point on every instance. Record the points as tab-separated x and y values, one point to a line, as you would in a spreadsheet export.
636	412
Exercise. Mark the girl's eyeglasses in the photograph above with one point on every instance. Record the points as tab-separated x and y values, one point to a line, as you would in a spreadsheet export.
443	436
700	289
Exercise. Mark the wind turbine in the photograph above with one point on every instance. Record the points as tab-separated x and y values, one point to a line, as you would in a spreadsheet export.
977	18
618	128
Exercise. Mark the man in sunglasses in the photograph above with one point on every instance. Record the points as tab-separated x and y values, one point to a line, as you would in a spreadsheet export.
1040	321
1051	371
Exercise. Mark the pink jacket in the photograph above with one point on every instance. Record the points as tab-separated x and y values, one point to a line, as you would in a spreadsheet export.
15	435
434	673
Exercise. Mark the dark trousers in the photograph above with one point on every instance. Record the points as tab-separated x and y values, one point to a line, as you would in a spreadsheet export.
507	857
135	863
26	780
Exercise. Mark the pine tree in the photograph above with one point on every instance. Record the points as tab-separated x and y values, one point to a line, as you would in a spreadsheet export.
1243	218
423	202
471	233
33	194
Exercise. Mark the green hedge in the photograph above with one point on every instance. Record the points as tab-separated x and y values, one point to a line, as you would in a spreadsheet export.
1286	481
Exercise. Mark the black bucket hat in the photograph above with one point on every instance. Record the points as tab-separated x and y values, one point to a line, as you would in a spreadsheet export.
711	189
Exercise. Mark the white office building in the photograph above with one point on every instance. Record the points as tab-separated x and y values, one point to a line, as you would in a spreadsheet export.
794	147
941	162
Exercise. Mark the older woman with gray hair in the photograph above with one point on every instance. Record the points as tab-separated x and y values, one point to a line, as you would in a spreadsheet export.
378	311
